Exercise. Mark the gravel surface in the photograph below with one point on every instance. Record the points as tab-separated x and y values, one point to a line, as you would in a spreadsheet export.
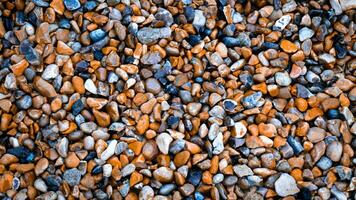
178	99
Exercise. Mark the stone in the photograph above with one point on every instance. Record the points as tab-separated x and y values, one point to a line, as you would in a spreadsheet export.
90	86
285	185
148	35
316	134
283	79
163	141
72	176
97	35
165	16
334	151
239	130
109	151
44	87
282	22
151	58
199	19
128	169
72	4
163	174
347	4
305	33
242	170
50	72
24	102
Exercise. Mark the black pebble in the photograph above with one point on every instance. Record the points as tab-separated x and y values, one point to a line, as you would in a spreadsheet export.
304	194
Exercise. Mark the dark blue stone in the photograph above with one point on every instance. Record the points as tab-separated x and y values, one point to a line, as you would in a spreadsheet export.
91	155
171	89
23	154
64	23
129	60
98	55
172	120
199	80
315	12
24	102
77	107
89	5
231	41
198	196
189	13
304	194
81	66
163	80
53	182
194	40
205	32
341	50
97	170
6	63
127	11
8	23
270	45
97	35
40	3
71	4
31	55
20	18
333	114
194	177
33	19
297	147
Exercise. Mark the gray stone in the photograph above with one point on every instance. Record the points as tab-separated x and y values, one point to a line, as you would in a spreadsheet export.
336	6
128	169
305	33
151	58
149	35
72	176
165	16
285	185
50	72
24	102
324	163
153	86
242	170
282	22
199	19
283	79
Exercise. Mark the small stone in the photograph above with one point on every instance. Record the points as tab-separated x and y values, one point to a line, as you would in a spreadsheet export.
305	33
109	151
128	169
251	100
326	58
239	130
316	134
50	72
282	22
285	185
199	19
24	102
163	174
334	151
44	87
151	58
288	46
72	176
97	34
242	170
72	4
90	86
148	35
324	163
163	141
283	79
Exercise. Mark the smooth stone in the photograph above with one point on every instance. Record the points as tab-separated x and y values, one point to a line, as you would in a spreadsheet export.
305	33
286	185
163	141
71	4
24	102
199	19
50	72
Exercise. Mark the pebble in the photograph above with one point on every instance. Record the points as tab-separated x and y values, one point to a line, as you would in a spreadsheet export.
150	35
72	176
72	4
305	33
163	141
285	185
199	19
